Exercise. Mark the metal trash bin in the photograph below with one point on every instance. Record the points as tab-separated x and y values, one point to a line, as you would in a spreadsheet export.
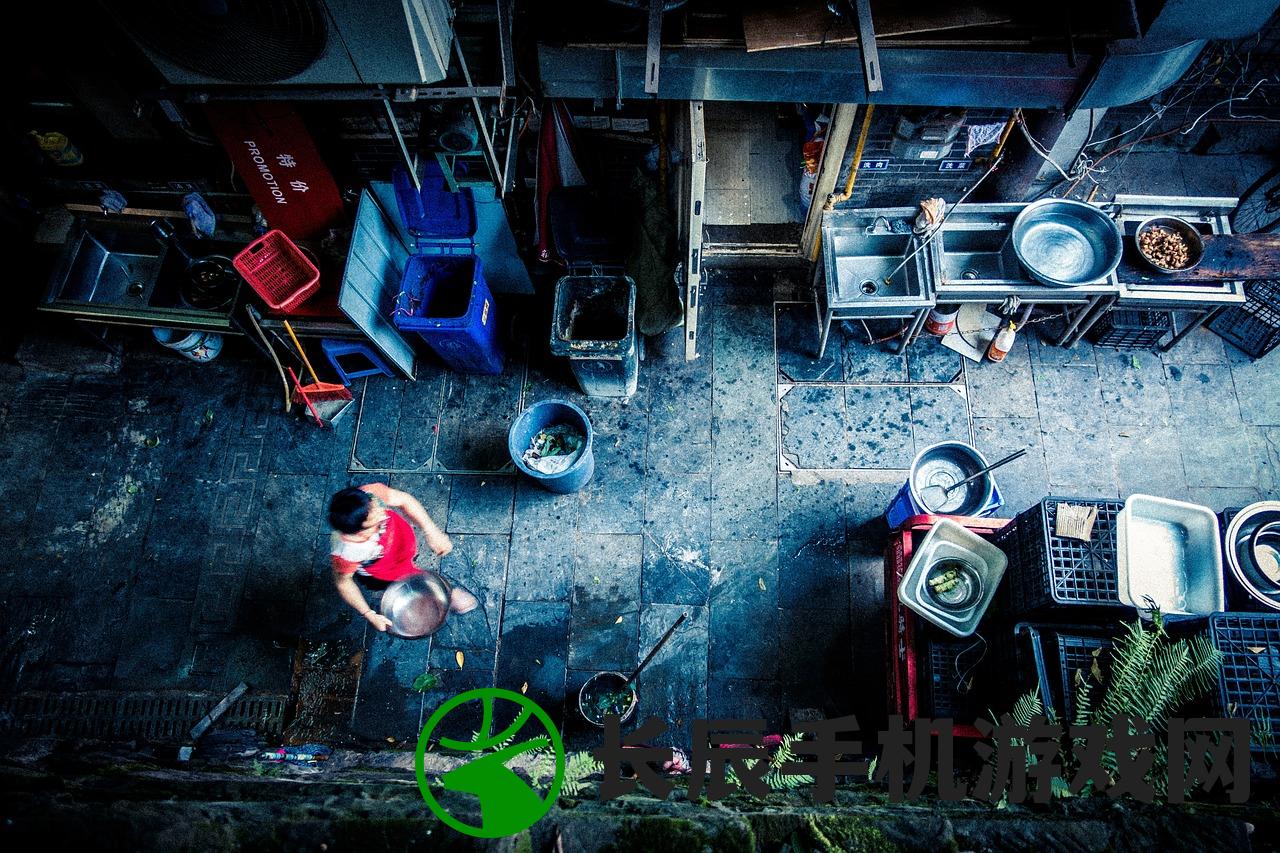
594	326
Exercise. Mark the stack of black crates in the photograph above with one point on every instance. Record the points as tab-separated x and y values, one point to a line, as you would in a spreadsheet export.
1060	600
1254	327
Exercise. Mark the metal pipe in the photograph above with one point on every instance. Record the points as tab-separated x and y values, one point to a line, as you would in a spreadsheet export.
937	229
833	200
410	166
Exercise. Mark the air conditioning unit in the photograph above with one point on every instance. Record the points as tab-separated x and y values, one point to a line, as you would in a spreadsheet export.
293	42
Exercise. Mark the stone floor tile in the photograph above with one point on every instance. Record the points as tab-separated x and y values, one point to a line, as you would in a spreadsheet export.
939	414
867	362
606	588
797	343
157	628
481	504
534	653
673	686
477	563
744	600
929	361
1148	461
1257	387
1003	388
1133	387
1022	482
677	542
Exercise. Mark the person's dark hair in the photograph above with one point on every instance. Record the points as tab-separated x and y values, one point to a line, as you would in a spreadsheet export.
349	509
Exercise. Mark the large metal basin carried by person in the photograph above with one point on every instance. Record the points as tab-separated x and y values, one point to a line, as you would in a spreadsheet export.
551	443
1065	243
417	605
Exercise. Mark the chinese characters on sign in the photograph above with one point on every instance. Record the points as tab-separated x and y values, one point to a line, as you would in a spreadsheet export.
1020	760
276	157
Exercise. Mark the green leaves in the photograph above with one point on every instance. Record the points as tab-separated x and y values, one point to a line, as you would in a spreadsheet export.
427	681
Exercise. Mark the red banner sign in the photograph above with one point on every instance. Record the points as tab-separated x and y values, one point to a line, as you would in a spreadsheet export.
275	157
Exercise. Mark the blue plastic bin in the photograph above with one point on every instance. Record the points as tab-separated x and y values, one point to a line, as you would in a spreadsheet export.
447	302
443	296
539	416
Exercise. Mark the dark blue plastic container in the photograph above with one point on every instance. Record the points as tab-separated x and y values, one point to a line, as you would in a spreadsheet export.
539	416
447	302
444	297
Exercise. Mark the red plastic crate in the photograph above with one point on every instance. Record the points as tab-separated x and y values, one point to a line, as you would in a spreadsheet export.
278	271
900	623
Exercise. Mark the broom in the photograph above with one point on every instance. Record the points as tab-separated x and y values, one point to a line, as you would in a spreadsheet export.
300	392
317	391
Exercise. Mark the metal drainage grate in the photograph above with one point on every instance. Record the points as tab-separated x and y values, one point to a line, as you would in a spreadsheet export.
159	717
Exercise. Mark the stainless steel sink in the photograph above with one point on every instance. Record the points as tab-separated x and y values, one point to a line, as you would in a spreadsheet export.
865	272
111	263
976	249
118	268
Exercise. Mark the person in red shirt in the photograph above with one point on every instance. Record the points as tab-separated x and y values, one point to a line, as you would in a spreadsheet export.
373	538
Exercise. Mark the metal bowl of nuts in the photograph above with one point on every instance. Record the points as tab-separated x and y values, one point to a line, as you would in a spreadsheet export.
1169	244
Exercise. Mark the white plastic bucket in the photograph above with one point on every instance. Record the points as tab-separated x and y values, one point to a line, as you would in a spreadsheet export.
197	346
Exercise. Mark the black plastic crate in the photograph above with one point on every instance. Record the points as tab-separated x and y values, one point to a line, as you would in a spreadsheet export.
1076	653
1124	329
1253	327
950	662
1049	657
1249	682
1047	570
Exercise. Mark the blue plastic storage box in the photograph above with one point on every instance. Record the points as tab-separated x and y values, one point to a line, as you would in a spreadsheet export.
444	297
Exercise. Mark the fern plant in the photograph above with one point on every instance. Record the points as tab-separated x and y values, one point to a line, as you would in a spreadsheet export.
577	767
774	777
1151	677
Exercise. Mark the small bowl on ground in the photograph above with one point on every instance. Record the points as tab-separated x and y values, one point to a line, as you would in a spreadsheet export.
1180	228
607	693
953	584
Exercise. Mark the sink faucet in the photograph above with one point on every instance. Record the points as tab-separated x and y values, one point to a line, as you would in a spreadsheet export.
873	228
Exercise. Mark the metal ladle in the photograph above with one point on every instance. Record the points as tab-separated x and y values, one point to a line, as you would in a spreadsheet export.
946	490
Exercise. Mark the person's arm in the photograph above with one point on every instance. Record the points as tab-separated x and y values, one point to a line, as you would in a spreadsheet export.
437	540
346	584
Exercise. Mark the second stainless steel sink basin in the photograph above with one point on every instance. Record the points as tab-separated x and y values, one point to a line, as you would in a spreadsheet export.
977	249
108	264
865	272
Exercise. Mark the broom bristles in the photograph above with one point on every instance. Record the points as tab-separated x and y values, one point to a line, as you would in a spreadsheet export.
321	391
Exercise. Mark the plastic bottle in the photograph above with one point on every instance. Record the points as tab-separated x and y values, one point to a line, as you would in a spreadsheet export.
1002	342
58	148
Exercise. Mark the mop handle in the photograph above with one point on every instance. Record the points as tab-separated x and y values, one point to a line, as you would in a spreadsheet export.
301	352
655	649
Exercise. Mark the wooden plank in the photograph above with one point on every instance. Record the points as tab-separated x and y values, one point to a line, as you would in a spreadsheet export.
1227	257
808	23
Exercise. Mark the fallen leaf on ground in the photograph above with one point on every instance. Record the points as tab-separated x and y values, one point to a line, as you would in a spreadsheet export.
538	662
459	657
618	621
760	583
524	688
